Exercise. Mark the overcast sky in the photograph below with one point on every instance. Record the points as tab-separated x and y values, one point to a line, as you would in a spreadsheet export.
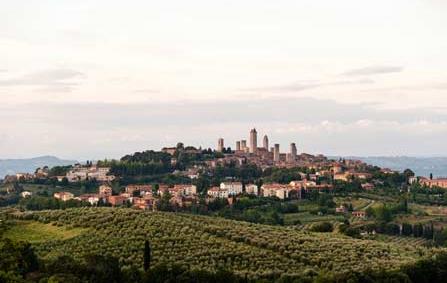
92	79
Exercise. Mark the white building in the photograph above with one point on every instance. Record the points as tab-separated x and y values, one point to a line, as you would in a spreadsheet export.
216	192
252	189
93	199
186	190
81	173
234	188
412	180
276	190
77	174
25	194
143	189
64	196
105	191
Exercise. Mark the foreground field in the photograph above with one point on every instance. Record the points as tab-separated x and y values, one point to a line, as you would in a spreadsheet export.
208	243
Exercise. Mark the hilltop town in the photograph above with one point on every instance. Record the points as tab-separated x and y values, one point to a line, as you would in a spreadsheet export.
308	174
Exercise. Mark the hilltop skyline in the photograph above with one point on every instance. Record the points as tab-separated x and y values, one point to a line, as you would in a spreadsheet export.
94	79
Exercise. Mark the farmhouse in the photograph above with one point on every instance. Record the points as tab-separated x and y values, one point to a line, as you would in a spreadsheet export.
63	196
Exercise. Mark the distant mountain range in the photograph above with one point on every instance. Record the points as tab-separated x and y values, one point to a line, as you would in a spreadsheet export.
422	166
29	165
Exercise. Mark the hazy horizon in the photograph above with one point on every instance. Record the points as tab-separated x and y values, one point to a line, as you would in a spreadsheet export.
94	79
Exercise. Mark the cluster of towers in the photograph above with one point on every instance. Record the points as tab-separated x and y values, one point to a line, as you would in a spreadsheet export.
241	146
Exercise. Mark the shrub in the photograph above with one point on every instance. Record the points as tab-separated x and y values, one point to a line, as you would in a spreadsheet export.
322	227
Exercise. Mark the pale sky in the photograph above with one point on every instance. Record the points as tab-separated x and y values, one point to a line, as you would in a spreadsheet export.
92	79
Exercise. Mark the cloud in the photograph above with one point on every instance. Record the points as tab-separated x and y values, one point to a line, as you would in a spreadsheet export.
146	91
306	85
56	79
439	86
374	70
186	113
98	130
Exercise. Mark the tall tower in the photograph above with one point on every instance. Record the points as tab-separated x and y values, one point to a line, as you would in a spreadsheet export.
238	146
276	153
265	142
220	145
253	140
243	145
293	151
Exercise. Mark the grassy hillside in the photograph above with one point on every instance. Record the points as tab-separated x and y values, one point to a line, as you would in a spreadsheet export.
208	243
35	232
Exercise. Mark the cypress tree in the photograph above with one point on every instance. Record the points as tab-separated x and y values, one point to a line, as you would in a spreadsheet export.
147	255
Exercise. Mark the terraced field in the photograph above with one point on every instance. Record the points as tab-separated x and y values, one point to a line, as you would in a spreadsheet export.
403	241
208	243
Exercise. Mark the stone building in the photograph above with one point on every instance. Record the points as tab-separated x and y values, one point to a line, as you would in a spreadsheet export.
253	140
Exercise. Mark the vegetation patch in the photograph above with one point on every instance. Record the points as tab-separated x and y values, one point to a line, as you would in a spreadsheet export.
36	232
208	243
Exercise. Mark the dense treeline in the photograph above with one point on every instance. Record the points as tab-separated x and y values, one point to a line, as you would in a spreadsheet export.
140	163
41	203
125	168
245	173
258	210
284	175
148	163
59	170
386	212
188	156
148	156
8	199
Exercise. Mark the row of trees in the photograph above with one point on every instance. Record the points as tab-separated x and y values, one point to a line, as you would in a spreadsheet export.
41	203
19	263
195	267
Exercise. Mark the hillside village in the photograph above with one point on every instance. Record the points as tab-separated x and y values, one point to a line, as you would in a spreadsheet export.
314	173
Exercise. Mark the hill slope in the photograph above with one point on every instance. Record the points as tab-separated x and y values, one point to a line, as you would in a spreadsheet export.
208	242
12	166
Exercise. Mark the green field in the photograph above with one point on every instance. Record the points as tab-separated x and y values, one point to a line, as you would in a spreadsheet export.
35	232
357	203
306	218
205	242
